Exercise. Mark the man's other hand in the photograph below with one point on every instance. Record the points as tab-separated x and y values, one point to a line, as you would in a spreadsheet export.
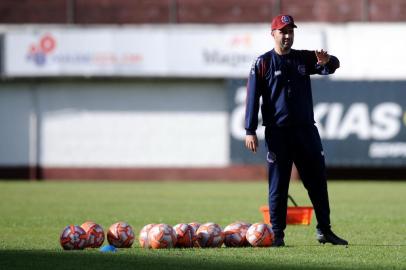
251	142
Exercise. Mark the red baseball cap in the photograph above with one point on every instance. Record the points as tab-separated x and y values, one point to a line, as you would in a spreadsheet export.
281	21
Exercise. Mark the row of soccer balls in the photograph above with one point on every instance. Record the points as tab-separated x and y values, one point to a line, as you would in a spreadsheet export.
183	235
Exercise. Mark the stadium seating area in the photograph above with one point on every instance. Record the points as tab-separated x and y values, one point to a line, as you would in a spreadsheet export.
197	11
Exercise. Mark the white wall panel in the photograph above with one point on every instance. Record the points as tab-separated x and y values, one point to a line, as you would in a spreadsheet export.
146	139
129	125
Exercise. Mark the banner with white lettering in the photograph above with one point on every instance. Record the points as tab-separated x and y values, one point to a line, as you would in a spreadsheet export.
361	123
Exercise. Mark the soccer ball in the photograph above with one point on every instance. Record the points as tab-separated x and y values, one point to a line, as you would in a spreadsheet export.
185	235
94	234
120	235
210	235
260	235
73	237
162	236
234	234
195	226
143	237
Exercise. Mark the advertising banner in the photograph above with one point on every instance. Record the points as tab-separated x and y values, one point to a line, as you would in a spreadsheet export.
360	123
212	51
181	51
84	52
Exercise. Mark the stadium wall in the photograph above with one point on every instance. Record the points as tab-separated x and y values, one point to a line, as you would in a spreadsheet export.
96	124
128	129
65	115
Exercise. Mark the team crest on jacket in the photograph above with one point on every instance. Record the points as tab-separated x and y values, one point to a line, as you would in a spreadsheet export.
271	157
301	69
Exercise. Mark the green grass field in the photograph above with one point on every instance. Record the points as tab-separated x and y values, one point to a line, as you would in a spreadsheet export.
371	215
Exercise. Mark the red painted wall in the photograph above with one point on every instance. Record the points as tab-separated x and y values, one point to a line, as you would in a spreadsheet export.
197	11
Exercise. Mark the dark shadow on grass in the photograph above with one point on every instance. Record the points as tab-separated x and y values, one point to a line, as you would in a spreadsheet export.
378	245
350	245
17	259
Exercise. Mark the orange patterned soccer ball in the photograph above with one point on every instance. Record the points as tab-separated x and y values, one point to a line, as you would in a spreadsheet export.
185	235
234	234
94	234
143	237
162	236
210	235
73	237
260	235
120	235
195	226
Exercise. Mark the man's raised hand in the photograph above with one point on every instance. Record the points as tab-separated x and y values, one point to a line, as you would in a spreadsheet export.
322	57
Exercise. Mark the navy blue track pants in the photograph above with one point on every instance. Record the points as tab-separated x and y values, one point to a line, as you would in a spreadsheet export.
301	145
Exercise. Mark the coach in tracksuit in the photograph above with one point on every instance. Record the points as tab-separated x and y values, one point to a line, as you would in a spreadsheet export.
282	78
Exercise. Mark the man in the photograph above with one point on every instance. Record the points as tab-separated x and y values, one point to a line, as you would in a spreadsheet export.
282	78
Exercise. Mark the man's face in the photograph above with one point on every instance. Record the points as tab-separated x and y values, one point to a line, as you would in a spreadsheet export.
284	37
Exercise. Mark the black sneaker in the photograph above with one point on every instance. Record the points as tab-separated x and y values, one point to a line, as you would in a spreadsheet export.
278	242
329	237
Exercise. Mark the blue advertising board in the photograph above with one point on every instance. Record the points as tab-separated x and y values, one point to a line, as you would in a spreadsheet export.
361	123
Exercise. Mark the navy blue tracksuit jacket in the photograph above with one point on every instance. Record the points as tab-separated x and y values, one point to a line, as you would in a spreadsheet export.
283	82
